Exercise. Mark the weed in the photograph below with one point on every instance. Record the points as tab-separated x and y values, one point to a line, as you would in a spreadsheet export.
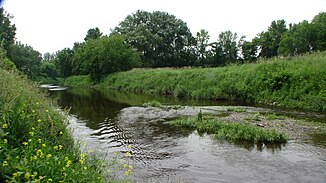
231	131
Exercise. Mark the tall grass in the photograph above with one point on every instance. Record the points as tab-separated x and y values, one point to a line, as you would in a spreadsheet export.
35	145
230	131
78	81
298	82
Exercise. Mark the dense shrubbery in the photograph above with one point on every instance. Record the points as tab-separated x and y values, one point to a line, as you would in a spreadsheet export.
299	83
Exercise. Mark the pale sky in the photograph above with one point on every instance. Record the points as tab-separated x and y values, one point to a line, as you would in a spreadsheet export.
51	25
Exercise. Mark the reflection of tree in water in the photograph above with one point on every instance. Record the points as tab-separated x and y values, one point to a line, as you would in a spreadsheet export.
90	106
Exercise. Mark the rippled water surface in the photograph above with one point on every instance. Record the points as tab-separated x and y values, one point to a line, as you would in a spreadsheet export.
109	121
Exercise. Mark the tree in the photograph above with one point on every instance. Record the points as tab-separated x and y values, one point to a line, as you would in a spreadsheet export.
94	33
161	38
318	27
104	56
63	62
201	48
297	40
269	41
249	51
26	59
226	48
7	31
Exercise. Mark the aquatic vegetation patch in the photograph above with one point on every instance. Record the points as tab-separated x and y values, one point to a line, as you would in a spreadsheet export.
230	130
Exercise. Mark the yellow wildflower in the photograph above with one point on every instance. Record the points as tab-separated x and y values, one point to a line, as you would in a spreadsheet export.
5	163
127	154
43	145
25	143
127	173
49	155
31	133
39	140
60	147
5	126
5	141
30	140
68	163
61	133
39	120
56	148
49	180
27	175
129	146
46	110
125	166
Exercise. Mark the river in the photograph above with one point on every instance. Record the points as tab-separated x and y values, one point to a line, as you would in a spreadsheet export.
107	122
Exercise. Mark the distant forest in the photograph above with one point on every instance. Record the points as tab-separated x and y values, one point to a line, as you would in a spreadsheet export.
157	39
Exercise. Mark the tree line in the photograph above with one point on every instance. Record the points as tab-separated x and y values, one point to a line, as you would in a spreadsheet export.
159	39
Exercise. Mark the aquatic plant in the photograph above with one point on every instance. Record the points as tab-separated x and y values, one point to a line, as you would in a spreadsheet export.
231	130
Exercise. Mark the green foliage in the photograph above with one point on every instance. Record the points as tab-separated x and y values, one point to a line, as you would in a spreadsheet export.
225	49
78	81
103	56
298	83
35	144
7	31
161	38
63	62
26	59
94	33
269	41
153	103
231	130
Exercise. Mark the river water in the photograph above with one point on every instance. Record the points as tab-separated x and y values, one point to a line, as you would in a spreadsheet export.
110	121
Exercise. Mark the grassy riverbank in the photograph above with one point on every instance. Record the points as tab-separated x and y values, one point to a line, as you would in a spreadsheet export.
35	145
296	83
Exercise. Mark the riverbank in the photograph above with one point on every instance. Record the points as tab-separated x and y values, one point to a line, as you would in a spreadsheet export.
295	83
35	144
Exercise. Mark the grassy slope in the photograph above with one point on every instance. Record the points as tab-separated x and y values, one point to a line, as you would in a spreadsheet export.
297	83
35	144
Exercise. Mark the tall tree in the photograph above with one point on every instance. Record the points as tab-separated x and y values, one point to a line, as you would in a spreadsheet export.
269	41
161	38
202	47
249	51
93	33
26	59
7	31
297	40
318	26
105	56
63	62
226	48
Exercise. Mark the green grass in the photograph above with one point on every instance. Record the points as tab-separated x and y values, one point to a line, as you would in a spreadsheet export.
297	83
78	81
35	145
153	103
231	130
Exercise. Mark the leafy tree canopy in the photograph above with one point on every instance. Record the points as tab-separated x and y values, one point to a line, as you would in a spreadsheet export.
161	38
7	31
94	33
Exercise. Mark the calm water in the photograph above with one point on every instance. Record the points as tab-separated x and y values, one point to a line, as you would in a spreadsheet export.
109	121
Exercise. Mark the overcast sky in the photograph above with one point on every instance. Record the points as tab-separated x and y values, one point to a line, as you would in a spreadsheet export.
51	25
